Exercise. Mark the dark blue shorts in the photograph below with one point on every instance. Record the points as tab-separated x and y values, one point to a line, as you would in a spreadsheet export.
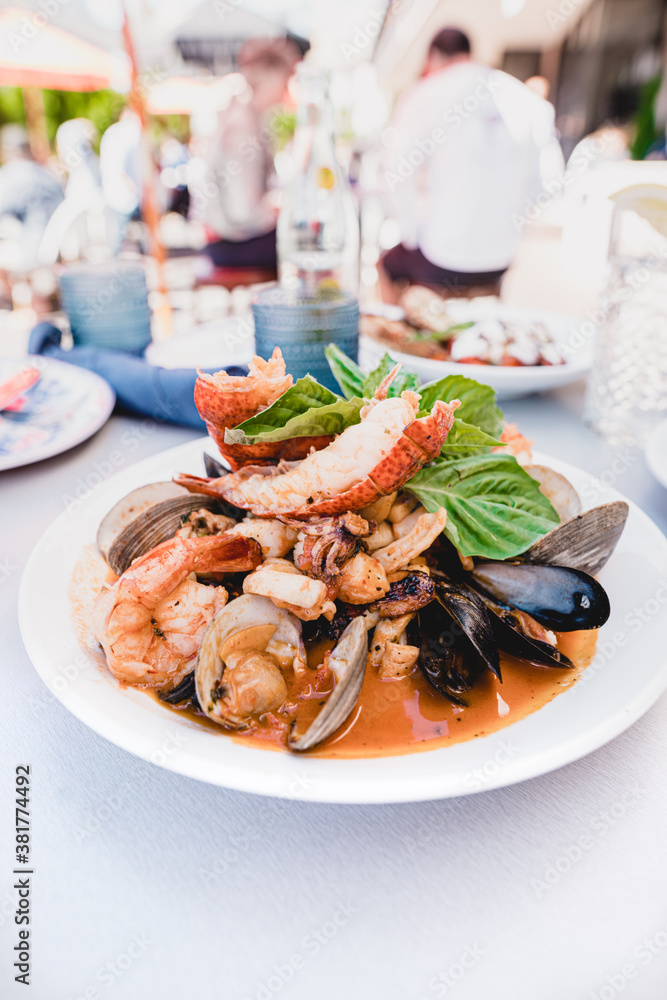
402	264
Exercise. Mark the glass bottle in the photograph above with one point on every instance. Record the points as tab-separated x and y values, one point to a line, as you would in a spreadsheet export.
318	227
627	387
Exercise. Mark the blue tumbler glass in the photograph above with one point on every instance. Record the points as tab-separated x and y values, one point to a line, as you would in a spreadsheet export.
107	305
302	328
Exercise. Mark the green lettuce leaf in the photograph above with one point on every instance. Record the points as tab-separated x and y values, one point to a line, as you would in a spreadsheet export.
494	508
307	409
347	373
404	380
478	402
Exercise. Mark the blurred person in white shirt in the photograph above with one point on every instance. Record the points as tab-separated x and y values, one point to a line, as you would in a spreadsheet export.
233	198
468	150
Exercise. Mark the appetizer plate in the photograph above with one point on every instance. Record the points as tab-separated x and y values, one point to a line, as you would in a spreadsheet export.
65	407
570	332
626	677
656	453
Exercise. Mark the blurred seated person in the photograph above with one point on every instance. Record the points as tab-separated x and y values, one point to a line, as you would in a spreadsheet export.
29	193
470	147
173	161
233	198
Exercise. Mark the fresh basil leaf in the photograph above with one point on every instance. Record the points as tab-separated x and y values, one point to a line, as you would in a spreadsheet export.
403	381
478	402
307	409
298	399
347	373
466	439
494	508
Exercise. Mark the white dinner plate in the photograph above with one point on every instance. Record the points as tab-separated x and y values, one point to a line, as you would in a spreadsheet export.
65	407
656	453
574	334
213	345
626	677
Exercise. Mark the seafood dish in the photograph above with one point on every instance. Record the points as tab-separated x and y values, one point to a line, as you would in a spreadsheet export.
429	332
367	573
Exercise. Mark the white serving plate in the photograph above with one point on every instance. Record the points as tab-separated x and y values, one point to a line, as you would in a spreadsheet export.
656	453
627	676
571	332
67	406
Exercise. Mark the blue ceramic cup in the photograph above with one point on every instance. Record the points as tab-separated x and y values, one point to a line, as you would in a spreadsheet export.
303	328
107	305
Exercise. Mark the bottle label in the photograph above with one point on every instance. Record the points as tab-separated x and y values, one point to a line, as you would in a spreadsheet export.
325	178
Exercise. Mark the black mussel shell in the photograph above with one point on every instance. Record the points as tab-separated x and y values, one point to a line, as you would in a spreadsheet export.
443	559
214	468
560	598
450	673
513	640
185	691
448	661
469	612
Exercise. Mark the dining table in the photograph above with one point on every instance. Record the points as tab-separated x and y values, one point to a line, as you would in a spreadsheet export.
148	884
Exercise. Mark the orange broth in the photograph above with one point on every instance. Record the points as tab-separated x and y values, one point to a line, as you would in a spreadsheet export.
392	716
408	715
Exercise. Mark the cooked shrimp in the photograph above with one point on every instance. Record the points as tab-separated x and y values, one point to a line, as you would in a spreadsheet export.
515	443
150	622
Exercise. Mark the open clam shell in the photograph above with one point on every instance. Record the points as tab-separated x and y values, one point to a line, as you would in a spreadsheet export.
144	518
248	622
348	665
131	506
564	498
585	542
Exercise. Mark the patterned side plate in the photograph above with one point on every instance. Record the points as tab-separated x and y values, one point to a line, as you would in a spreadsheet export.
65	407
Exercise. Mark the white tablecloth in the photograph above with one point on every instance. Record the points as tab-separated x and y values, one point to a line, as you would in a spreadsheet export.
149	885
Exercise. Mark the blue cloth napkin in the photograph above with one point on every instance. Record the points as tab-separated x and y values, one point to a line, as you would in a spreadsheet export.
162	393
